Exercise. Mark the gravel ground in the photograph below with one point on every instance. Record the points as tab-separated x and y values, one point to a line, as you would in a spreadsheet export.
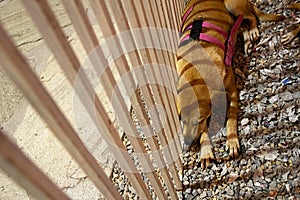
268	167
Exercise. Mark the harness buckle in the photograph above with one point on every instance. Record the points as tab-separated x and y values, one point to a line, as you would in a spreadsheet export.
196	29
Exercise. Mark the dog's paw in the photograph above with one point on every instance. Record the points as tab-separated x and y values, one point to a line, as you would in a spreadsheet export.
287	38
247	42
206	156
254	34
247	48
233	146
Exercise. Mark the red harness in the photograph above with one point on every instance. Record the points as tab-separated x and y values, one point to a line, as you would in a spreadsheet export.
229	45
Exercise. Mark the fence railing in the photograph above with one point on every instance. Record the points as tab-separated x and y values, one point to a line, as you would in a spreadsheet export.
140	39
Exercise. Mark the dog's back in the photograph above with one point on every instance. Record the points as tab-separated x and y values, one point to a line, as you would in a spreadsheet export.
212	11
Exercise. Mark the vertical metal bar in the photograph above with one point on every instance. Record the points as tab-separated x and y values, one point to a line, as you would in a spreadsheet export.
161	21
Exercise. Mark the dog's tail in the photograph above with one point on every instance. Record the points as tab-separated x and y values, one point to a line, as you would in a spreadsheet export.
266	17
294	6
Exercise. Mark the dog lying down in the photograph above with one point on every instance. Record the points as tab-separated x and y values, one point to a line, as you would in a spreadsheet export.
205	76
290	36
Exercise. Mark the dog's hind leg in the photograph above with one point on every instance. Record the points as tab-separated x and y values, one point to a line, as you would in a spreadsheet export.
244	7
289	37
247	42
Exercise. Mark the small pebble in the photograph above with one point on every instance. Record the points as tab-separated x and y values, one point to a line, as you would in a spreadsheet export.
203	195
244	121
185	183
248	194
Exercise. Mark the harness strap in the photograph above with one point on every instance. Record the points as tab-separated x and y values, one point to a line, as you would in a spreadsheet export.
206	38
196	28
209	25
186	14
205	24
230	46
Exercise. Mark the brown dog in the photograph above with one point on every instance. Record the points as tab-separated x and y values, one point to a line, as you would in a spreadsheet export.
208	35
290	36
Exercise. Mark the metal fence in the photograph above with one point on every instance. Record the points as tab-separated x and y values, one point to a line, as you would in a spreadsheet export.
140	39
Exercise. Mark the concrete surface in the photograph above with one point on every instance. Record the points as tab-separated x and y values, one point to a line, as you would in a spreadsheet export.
19	120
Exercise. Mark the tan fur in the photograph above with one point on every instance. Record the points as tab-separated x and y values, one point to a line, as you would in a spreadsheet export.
202	74
266	17
294	6
290	36
251	13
